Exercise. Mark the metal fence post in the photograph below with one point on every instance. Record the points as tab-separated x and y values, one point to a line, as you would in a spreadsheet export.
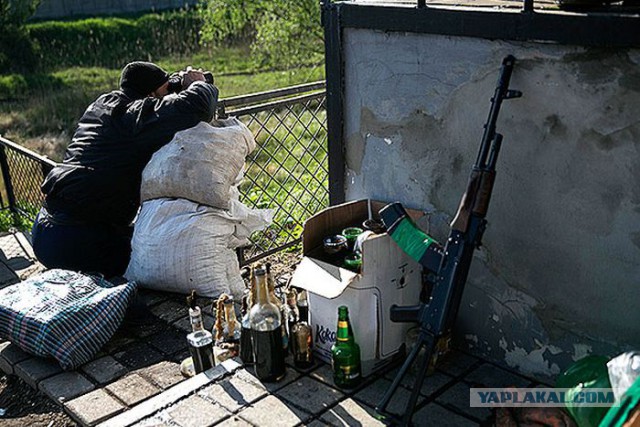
334	72
6	176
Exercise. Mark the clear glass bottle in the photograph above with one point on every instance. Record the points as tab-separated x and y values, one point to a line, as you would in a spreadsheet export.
345	353
231	331
303	305
200	340
301	343
266	333
282	307
272	287
292	313
227	330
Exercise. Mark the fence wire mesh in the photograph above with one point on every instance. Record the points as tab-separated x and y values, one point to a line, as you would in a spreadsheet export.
288	171
22	174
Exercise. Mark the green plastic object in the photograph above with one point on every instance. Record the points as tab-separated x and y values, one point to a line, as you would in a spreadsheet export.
617	416
588	372
413	241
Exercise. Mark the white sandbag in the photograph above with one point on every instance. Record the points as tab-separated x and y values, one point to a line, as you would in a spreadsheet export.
200	163
179	245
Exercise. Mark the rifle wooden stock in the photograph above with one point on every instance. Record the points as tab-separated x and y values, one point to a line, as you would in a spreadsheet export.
461	220
475	200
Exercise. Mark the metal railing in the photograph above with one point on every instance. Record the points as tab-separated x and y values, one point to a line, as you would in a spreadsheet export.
288	171
22	174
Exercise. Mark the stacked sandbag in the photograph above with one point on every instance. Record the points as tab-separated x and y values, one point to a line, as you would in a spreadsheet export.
200	164
191	220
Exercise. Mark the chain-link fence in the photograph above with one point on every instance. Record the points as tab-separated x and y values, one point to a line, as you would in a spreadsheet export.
288	171
22	174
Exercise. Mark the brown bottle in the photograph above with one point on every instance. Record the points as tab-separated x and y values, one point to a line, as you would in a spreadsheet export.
292	314
301	340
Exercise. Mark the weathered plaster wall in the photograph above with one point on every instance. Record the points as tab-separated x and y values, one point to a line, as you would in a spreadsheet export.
559	274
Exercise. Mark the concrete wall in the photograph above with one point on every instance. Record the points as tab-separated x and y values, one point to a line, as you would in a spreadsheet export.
50	9
559	274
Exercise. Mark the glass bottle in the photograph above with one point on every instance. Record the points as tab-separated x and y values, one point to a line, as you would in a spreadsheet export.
266	333
345	353
227	330
200	340
271	283
301	340
293	315
232	326
246	349
282	307
303	305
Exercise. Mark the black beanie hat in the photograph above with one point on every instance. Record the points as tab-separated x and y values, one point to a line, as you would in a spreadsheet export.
142	78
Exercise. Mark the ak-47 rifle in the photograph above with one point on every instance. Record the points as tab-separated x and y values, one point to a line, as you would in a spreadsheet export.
449	264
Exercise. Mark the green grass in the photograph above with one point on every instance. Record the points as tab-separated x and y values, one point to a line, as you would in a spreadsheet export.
13	221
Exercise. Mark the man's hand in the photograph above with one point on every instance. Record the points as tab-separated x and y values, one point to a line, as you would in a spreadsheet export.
189	75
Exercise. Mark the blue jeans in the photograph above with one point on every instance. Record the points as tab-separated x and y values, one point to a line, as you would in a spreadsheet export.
77	246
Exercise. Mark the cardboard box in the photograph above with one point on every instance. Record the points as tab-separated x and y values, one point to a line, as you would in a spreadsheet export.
388	276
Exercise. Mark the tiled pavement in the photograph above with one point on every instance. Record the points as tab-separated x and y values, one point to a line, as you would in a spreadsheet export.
135	381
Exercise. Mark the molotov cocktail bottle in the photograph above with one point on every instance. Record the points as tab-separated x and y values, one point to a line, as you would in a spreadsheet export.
266	333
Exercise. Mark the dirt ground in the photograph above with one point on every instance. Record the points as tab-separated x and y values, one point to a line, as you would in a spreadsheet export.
23	406
26	407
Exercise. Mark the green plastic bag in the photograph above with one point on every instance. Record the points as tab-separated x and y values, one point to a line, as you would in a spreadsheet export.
618	415
588	372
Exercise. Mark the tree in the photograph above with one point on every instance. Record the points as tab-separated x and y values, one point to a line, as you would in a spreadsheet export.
282	33
17	51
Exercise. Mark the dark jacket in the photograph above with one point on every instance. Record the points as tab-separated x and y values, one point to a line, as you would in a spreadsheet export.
99	179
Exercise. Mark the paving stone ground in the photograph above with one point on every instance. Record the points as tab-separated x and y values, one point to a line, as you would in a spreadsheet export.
135	381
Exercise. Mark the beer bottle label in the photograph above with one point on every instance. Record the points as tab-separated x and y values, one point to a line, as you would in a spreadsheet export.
343	326
350	372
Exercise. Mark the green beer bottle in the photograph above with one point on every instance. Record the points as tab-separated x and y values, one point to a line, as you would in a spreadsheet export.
345	353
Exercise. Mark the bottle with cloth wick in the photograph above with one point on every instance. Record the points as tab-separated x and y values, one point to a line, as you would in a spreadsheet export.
227	330
200	340
300	334
266	333
278	303
249	299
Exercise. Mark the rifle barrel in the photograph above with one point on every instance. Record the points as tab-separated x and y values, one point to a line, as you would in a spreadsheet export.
502	89
495	150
